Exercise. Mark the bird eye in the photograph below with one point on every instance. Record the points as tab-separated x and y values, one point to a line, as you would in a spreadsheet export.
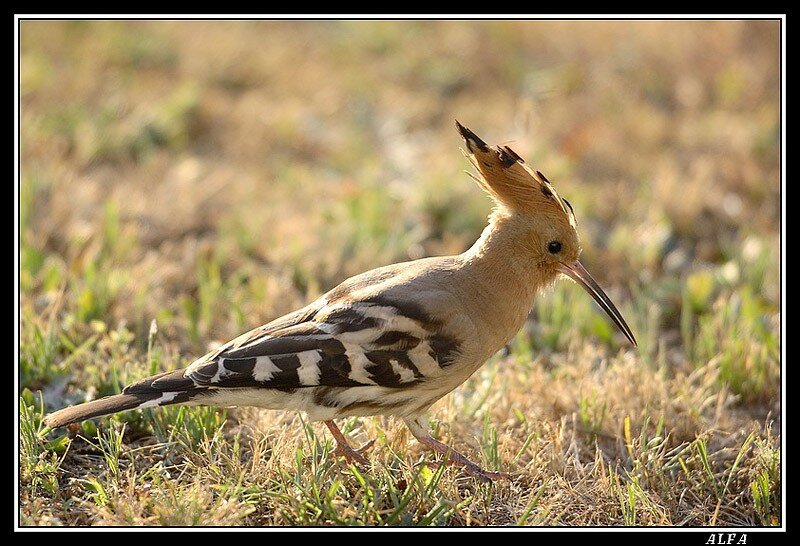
554	247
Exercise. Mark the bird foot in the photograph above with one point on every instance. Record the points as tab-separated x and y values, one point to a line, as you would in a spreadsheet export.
343	448
353	456
451	456
488	476
475	470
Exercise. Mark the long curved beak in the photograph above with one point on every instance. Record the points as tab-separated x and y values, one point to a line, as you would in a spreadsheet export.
578	273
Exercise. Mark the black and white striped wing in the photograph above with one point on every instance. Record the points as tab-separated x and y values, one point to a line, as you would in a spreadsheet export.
349	344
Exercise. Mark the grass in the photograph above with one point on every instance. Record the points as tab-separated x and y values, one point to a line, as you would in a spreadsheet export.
188	181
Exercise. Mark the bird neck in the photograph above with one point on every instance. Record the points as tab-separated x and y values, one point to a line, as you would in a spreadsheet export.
503	274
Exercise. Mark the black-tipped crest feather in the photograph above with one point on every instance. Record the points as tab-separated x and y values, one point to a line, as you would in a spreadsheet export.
471	139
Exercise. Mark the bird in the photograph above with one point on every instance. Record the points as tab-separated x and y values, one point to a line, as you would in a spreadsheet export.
395	339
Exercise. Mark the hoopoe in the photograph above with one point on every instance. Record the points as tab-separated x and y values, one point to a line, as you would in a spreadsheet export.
393	340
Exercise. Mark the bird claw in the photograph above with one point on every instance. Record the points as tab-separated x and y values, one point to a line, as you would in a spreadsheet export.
451	456
491	476
353	456
474	470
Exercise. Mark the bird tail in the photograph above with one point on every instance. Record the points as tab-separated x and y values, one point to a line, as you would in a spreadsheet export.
159	390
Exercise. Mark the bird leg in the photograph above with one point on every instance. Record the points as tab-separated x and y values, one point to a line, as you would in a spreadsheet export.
343	448
419	428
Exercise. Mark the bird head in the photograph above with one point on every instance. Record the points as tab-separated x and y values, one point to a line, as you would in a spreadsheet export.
548	220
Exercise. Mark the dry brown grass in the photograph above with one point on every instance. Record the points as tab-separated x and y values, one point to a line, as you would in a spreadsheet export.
214	175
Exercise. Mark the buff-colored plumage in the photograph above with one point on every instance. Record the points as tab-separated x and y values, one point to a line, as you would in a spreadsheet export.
396	339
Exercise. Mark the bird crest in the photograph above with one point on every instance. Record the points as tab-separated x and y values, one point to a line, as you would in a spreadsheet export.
510	182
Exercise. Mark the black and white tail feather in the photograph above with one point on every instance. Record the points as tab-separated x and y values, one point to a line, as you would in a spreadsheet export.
333	358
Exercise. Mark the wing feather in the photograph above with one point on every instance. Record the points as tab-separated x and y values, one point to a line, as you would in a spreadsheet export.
347	344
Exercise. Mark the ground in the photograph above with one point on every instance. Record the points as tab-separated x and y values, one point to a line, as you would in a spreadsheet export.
182	182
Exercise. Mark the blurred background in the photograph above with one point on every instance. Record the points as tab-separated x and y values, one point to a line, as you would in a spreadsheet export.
215	175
